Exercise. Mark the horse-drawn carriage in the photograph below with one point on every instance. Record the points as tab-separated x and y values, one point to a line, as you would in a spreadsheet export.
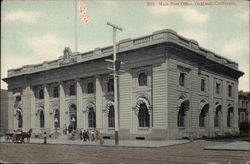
18	136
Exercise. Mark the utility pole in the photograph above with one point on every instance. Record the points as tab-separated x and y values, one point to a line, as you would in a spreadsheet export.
115	81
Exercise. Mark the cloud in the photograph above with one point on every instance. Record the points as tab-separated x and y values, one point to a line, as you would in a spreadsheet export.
200	36
238	50
244	80
21	15
187	14
244	15
45	47
236	47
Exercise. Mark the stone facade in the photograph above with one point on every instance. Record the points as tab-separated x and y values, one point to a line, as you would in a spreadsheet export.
171	88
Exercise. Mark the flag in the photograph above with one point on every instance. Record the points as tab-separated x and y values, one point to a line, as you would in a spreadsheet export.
83	11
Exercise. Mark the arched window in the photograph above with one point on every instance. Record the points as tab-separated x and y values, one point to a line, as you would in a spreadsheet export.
111	85
72	90
90	87
111	117
143	116
229	117
202	119
41	119
57	119
204	106
41	94
20	119
55	92
73	116
92	118
181	116
142	79
217	117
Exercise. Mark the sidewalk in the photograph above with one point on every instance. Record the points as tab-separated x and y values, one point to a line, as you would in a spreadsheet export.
108	142
236	145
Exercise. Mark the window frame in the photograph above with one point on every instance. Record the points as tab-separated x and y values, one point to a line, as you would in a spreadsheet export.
90	88
182	79
72	90
143	116
92	120
181	118
41	94
110	85
230	90
111	117
202	119
217	88
142	79
41	121
203	85
57	115
20	120
55	92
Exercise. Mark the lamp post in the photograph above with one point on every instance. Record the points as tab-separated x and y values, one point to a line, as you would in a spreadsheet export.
115	80
56	122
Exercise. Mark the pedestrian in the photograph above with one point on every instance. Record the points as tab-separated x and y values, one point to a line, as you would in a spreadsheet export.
81	134
84	135
97	135
70	128
65	129
44	138
87	135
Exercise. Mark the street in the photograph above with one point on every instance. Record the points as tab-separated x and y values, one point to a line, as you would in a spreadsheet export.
184	153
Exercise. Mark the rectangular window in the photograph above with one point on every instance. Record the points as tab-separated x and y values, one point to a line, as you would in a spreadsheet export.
72	91
230	90
41	94
55	92
217	88
182	79
203	85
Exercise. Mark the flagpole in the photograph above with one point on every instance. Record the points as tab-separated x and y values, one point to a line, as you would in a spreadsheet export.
76	29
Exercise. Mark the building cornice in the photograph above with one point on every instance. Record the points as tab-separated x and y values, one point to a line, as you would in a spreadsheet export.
158	37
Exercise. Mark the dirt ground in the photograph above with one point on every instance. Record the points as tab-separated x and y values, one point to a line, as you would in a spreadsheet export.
185	153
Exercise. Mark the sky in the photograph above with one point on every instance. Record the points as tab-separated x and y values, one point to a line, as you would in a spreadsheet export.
37	31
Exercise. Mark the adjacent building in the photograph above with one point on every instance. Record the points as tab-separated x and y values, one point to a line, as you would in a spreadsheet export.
4	111
244	110
170	88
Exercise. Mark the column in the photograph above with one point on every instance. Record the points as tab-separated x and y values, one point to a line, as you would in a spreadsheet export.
26	99
80	120
62	105
236	116
47	116
211	112
99	119
33	109
11	111
224	106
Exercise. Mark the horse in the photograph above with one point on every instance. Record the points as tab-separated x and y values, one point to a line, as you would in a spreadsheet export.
26	135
